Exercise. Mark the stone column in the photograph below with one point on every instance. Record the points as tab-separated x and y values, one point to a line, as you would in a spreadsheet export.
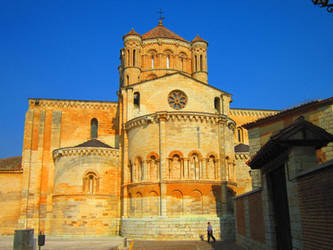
163	164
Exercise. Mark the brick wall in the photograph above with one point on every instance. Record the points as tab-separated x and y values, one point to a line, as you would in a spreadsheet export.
250	226
240	215
256	217
316	204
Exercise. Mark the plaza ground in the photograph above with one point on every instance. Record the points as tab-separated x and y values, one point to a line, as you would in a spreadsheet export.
113	243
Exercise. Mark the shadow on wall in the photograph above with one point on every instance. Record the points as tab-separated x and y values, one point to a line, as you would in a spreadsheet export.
227	220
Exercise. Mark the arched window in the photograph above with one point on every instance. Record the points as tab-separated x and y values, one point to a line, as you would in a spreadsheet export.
182	64
136	99
139	169
212	167
93	128
168	61
200	62
128	58
127	78
196	63
240	135
217	104
90	183
152	61
134	57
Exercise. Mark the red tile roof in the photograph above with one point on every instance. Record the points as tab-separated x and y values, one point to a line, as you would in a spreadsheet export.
132	32
161	32
11	164
198	39
292	111
93	143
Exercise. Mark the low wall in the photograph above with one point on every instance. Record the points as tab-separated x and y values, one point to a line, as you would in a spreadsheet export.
250	226
191	228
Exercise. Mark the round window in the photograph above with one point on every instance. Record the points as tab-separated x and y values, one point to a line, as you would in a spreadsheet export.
177	99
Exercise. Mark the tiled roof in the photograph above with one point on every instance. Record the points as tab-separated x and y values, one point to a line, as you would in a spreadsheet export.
312	135
242	148
198	39
132	32
161	32
93	143
292	111
11	164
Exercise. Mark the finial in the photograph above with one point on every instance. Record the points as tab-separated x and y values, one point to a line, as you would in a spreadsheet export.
161	17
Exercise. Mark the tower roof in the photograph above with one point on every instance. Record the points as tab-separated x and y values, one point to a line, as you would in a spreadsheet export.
132	32
93	143
161	32
198	39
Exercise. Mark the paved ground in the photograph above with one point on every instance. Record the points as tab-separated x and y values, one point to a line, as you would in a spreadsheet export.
55	243
183	245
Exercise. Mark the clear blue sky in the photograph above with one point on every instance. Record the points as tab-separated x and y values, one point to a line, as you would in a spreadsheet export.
268	54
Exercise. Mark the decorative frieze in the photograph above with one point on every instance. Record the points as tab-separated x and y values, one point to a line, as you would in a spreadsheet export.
84	151
72	104
166	41
242	156
252	112
180	116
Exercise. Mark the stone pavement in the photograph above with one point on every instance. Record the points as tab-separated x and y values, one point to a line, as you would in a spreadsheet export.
115	243
58	243
183	245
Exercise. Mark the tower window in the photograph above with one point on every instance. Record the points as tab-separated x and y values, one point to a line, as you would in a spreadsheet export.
182	64
136	99
133	57
128	58
196	63
127	77
217	104
152	62
168	62
200	62
240	134
93	128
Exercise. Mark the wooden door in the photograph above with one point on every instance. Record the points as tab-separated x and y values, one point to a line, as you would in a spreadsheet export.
279	199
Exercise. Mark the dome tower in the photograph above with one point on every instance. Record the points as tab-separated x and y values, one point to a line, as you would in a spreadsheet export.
130	56
199	59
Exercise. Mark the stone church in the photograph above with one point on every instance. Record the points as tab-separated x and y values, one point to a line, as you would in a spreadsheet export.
160	162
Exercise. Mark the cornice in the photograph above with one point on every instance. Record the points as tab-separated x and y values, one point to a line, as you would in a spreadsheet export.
11	171
159	41
253	112
72	104
84	151
180	116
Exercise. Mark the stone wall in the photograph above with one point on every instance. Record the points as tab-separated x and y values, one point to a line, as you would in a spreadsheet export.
185	228
84	214
10	201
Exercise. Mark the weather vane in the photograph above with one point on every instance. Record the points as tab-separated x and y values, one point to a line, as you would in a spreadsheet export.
161	17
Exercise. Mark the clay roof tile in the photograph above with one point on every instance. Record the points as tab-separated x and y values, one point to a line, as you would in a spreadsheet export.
198	39
133	33
161	32
11	164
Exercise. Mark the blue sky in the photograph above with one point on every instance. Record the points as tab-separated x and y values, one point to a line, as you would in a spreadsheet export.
267	54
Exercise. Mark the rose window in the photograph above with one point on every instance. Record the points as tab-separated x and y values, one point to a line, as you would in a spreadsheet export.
177	99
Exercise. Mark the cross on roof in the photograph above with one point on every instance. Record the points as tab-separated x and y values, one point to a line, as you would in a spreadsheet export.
161	17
